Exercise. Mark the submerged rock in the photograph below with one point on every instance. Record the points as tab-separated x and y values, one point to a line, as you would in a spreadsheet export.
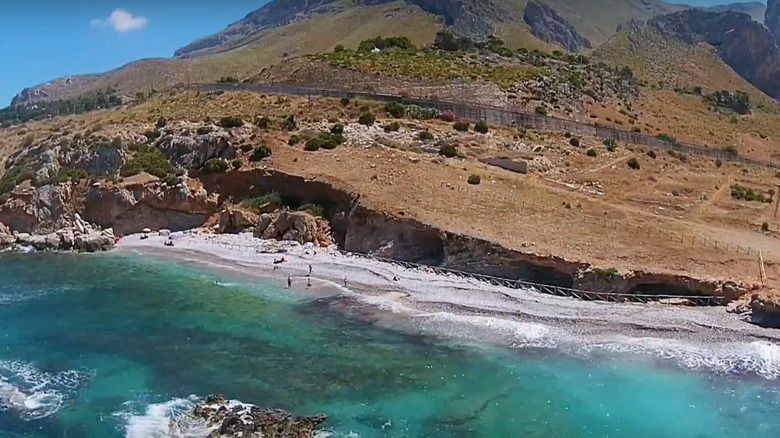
232	419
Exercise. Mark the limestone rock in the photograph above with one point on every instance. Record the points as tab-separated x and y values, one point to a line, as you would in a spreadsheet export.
233	219
548	25
43	209
180	144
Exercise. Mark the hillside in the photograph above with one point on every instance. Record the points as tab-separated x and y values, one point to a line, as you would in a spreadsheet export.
756	10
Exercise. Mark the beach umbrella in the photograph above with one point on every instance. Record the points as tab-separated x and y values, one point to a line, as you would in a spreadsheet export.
147	230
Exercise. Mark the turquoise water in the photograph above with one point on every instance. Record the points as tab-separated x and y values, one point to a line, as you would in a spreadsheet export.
115	345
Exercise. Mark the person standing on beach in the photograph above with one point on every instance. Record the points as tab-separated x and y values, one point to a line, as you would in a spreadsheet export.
345	281
289	282
309	270
308	283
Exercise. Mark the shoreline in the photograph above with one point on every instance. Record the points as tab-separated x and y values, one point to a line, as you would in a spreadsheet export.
419	292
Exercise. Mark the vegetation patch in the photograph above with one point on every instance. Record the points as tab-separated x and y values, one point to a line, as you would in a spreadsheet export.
260	153
743	193
271	199
313	209
14	175
215	165
148	159
324	140
482	127
474	179
231	122
738	101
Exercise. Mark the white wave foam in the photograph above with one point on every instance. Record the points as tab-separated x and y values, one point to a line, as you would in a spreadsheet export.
167	420
34	394
759	358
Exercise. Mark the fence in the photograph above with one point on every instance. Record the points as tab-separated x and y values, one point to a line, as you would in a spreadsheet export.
502	116
694	300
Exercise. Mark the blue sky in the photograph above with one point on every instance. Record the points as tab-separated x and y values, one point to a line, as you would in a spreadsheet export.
44	39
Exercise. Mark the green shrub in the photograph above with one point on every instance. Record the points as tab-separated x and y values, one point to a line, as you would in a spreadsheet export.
236	164
313	209
294	140
633	163
765	227
425	136
474	179
231	122
540	110
161	122
337	129
263	122
449	151
666	137
610	274
14	175
260	153
268	200
116	143
481	127
731	151
395	109
148	159
422	113
215	165
574	141
69	174
345	101
227	80
290	124
741	192
392	127
461	126
246	147
324	140
367	118
592	153
651	154
203	130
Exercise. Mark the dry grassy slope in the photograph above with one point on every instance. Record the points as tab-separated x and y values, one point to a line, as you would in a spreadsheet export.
675	64
318	34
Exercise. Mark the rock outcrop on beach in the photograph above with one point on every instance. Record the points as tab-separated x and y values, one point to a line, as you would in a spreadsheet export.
286	225
39	210
231	419
78	235
765	310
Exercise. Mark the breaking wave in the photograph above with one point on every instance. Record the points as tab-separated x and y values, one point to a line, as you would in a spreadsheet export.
33	394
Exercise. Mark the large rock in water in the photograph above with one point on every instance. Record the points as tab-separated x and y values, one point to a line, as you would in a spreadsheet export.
548	25
246	421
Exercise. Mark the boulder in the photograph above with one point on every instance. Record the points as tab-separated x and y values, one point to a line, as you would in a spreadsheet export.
233	219
43	209
182	148
262	225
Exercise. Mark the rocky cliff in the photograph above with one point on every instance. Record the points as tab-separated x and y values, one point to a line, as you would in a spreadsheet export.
772	17
547	25
746	46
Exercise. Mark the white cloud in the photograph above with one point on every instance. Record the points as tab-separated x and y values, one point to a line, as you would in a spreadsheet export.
121	21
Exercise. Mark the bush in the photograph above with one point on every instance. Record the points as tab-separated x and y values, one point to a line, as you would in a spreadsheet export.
718	163
263	122
294	140
592	153
116	143
345	101
481	127
161	122
231	122
748	194
765	227
392	127
447	116
461	126
337	129
148	159
290	124
422	113
260	153
633	164
215	165
425	136
28	140
449	151
731	151
367	118
338	49
246	147
610	145
637	129
313	209
474	179
651	154
14	176
203	130
324	140
151	136
236	164
666	137
540	110
574	141
269	199
395	109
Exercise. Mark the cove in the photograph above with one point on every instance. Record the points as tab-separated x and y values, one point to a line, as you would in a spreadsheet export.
113	345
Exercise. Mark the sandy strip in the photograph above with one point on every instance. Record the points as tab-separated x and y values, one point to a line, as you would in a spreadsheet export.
429	292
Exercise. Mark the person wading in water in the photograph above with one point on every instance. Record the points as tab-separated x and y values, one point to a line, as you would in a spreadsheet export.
289	282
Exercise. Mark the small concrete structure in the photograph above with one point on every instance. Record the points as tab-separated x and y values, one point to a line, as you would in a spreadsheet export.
508	164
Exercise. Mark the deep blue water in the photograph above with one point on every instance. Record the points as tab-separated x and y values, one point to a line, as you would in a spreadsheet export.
115	345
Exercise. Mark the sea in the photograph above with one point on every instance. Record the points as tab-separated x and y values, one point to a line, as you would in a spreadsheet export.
124	345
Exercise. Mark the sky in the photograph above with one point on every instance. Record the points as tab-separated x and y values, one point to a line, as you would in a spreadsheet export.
41	40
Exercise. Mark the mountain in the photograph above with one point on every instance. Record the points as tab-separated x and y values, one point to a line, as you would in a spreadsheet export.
756	10
772	17
288	28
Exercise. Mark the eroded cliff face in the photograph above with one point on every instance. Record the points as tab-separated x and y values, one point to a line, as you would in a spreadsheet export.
772	17
746	46
548	25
